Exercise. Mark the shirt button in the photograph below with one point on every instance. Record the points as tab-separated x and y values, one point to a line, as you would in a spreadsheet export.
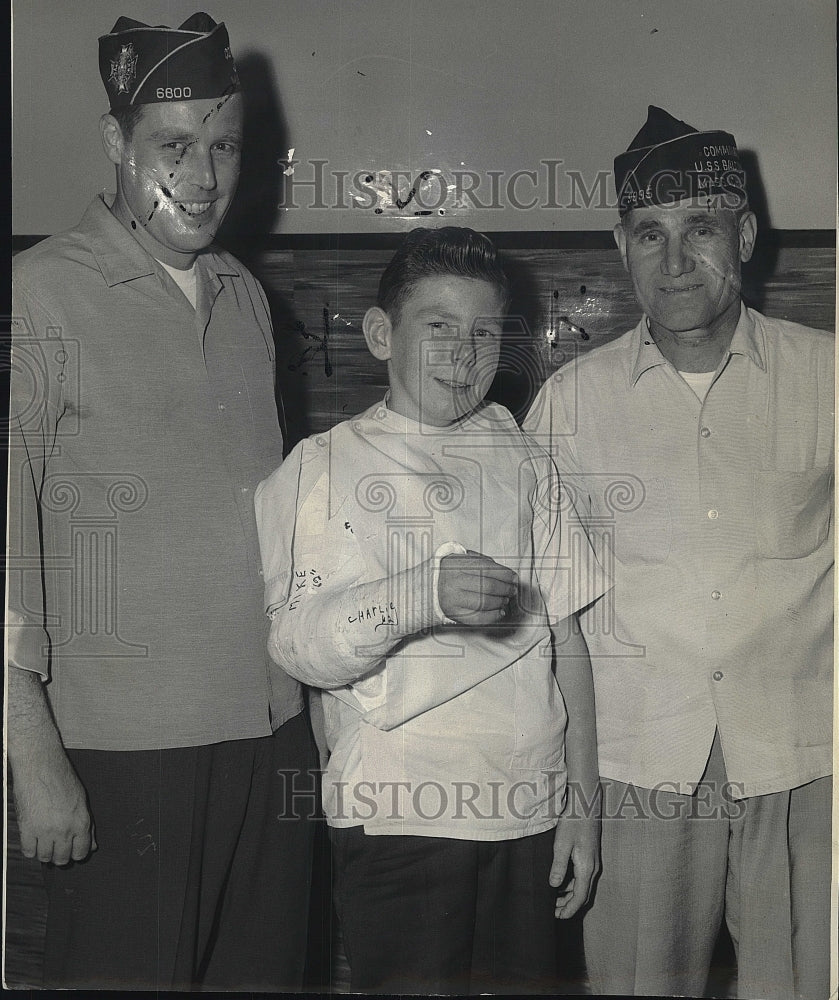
381	414
718	675
356	425
715	595
245	489
705	432
713	514
221	406
321	441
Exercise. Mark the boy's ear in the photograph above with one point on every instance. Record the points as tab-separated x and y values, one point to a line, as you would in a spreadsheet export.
377	332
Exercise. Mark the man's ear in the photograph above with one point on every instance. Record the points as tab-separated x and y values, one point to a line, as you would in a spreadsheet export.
113	141
620	239
377	332
748	234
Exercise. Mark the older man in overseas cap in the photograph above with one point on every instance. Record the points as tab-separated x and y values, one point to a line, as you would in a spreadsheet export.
699	447
153	747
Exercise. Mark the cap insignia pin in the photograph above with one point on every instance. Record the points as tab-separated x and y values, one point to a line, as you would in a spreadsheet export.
124	68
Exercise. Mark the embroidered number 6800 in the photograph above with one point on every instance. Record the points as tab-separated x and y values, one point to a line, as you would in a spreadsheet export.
174	93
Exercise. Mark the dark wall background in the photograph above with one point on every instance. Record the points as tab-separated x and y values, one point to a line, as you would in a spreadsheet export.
571	295
569	299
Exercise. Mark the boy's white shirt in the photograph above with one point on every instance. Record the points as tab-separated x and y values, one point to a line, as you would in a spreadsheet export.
365	502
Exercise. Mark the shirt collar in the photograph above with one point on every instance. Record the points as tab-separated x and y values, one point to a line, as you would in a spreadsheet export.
392	422
120	257
647	354
747	340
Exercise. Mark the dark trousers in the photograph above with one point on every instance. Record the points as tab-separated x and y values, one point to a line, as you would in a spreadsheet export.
431	915
201	878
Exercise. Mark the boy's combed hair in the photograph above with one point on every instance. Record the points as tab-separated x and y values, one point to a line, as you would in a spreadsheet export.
450	250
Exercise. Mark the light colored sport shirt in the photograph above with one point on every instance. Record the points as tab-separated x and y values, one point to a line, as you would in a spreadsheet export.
715	520
140	429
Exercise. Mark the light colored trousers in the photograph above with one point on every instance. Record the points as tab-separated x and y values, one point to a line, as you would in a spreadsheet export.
673	865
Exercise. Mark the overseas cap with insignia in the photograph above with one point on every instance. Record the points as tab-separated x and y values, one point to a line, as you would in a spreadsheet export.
669	160
142	64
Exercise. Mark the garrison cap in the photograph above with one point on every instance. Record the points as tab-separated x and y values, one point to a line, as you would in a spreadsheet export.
145	64
669	160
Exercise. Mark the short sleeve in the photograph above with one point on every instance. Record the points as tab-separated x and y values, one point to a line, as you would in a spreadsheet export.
569	573
551	423
39	367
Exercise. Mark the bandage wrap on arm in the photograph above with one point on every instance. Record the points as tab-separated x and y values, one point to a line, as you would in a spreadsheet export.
329	626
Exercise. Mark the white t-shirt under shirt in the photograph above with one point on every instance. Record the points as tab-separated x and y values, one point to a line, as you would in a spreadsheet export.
457	732
700	382
185	279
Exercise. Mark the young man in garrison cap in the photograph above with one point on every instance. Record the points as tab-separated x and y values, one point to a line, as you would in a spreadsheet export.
699	447
148	732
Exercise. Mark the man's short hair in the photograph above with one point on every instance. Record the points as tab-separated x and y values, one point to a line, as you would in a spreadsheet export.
127	119
450	250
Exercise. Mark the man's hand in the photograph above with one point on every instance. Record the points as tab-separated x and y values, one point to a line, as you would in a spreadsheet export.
52	812
474	589
576	841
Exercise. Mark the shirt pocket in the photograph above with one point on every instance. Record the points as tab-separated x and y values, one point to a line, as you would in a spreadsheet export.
792	511
641	519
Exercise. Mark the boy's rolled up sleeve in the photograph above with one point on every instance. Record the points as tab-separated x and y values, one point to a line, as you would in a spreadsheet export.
329	625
